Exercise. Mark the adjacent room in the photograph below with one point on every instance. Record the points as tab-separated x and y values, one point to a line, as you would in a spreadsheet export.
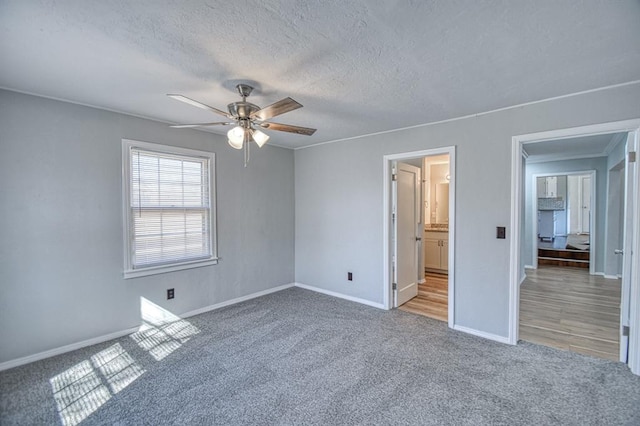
274	212
569	299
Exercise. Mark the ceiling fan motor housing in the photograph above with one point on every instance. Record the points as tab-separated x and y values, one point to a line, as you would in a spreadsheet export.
242	110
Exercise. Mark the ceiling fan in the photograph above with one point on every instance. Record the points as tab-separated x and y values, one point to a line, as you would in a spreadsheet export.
248	118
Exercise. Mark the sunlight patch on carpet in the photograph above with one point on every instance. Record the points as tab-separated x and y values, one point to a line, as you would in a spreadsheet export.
161	332
85	387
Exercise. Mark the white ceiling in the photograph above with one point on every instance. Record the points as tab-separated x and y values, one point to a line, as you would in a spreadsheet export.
579	147
358	67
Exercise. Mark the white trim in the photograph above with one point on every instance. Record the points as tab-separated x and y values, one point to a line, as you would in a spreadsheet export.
516	217
479	114
592	225
522	278
483	334
236	300
93	341
611	277
422	281
64	349
529	267
514	241
341	296
155	270
386	228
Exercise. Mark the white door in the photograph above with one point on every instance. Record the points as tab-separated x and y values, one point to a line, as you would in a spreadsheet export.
626	251
407	220
585	189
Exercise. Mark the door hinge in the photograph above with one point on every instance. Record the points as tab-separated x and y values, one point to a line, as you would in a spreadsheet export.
625	330
632	157
394	177
394	286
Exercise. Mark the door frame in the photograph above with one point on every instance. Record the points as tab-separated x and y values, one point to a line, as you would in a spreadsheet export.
387	163
534	213
631	126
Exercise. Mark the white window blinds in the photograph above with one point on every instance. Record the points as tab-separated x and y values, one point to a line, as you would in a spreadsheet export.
170	208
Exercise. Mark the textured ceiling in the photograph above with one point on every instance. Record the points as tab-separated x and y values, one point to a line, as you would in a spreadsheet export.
358	67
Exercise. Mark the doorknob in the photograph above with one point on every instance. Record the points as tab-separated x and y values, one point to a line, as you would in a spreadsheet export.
418	239
618	251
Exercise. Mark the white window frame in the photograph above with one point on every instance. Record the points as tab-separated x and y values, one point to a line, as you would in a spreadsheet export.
129	270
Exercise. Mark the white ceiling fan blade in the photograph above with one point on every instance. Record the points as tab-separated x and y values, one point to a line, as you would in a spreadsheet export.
198	104
185	126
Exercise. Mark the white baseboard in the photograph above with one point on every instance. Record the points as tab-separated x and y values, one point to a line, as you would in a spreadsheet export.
529	267
236	300
74	346
422	281
340	295
63	349
611	277
494	337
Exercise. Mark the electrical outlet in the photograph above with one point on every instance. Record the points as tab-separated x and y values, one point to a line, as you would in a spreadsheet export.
171	293
350	276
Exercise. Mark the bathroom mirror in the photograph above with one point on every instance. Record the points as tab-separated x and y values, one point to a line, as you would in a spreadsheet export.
442	203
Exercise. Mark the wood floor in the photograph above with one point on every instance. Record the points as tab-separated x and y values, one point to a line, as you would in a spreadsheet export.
569	309
433	298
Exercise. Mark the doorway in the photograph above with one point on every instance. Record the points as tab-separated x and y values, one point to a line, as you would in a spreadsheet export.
629	297
558	203
398	290
432	296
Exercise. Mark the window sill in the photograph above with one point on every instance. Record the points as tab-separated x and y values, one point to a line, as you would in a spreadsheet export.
155	270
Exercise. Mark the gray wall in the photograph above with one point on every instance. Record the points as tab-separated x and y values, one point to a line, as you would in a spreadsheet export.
618	153
598	164
339	218
61	249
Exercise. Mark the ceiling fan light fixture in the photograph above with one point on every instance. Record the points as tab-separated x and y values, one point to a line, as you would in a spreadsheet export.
259	137
236	137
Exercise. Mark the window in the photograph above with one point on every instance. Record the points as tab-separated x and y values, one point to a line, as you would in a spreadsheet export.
169	208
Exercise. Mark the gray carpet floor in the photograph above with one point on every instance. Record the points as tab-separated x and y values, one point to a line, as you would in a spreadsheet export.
300	358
